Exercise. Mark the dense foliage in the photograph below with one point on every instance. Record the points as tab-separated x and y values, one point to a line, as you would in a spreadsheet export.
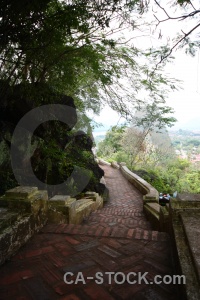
75	47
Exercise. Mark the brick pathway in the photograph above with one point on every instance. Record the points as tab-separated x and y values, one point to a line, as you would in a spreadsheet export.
116	238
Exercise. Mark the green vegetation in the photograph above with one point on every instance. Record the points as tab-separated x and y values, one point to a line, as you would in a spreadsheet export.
156	162
53	48
72	47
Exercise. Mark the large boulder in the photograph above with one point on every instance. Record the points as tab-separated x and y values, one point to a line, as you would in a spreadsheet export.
58	155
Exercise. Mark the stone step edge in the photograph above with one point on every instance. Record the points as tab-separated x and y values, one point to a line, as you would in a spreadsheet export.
118	213
99	231
110	219
122	209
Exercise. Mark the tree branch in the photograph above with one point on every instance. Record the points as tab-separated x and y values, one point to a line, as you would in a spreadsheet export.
179	41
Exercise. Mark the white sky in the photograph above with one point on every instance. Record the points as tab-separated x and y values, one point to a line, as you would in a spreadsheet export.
185	102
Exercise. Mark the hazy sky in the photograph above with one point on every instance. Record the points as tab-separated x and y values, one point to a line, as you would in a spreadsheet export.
186	102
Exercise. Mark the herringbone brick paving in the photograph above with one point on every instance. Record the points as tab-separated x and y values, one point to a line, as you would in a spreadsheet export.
117	238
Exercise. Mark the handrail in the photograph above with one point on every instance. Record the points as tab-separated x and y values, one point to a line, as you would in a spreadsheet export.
149	192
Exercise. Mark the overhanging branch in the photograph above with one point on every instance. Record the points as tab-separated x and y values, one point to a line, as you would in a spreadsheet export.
180	18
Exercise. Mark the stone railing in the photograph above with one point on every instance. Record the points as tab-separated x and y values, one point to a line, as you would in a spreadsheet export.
157	215
25	210
149	192
181	219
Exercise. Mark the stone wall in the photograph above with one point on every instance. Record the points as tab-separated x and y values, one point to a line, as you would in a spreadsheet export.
25	210
184	221
149	192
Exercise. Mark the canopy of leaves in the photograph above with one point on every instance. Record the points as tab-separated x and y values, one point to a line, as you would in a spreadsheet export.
74	47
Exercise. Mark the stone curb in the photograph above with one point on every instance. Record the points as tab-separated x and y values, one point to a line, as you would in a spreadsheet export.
100	231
